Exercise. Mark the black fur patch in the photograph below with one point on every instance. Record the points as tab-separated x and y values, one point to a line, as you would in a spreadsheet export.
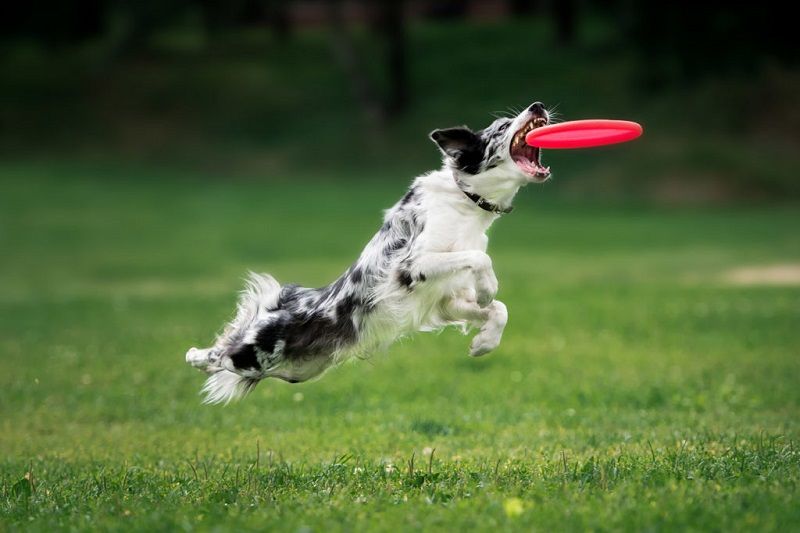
408	197
245	357
316	334
346	307
356	275
392	247
464	147
405	279
307	330
268	337
470	159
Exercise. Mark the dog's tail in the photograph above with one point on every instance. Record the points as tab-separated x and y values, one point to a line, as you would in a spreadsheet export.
224	386
224	382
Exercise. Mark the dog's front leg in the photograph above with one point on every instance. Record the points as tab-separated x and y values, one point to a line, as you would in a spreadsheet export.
491	320
438	265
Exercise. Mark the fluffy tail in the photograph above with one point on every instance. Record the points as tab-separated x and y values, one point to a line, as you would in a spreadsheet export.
224	384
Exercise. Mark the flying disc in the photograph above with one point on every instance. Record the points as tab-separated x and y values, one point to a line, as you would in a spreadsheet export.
583	133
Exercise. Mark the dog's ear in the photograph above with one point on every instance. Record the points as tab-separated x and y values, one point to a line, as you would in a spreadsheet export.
453	141
462	145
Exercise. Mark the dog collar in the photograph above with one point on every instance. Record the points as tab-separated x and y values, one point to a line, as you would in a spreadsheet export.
486	205
483	203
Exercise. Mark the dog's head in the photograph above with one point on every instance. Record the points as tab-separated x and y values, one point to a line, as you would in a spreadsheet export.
496	156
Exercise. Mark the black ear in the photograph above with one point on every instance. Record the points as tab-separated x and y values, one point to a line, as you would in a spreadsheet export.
452	141
462	145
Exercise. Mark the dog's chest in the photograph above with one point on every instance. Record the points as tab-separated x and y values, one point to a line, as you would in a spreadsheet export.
451	231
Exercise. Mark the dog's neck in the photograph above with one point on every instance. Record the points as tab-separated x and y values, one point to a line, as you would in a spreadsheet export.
482	202
493	188
441	188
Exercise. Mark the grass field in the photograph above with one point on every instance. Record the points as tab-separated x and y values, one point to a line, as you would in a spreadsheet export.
637	387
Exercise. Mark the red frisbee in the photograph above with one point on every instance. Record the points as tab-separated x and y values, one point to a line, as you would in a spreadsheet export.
583	133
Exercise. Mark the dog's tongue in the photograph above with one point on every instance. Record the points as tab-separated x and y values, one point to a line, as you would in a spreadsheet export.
530	167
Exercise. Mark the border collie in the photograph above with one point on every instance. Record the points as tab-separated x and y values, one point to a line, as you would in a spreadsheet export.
425	269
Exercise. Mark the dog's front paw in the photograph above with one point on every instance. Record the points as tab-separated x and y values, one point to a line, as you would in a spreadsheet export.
485	287
484	342
492	331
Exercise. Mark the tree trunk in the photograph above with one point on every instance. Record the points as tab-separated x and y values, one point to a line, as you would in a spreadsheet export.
564	13
278	19
345	51
391	26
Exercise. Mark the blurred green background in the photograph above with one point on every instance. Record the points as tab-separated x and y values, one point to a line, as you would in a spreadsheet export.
262	90
151	153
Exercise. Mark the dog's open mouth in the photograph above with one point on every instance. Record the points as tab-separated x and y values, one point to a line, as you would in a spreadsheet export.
525	156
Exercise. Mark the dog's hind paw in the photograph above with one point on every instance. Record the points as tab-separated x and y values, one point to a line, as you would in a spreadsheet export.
198	358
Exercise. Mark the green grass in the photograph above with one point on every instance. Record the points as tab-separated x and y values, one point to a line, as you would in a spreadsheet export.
634	389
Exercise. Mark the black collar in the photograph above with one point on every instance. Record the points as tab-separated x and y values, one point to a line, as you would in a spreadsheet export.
483	203
486	205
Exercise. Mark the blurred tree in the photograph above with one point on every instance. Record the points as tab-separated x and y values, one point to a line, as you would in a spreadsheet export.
564	14
684	40
53	23
278	19
446	9
391	26
138	20
219	15
346	54
388	25
523	7
226	15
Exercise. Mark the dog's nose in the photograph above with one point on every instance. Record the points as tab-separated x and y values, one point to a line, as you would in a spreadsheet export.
537	108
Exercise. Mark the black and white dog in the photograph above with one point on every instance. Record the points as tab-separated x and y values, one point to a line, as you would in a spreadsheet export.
426	268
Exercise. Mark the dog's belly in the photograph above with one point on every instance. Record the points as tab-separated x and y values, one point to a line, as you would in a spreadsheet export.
301	369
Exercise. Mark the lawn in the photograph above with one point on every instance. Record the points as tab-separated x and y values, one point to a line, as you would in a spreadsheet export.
638	386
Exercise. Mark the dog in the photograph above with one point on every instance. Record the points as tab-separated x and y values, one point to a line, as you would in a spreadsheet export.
425	269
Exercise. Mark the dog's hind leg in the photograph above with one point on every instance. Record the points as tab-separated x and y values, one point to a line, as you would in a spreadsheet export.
224	382
204	359
233	362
